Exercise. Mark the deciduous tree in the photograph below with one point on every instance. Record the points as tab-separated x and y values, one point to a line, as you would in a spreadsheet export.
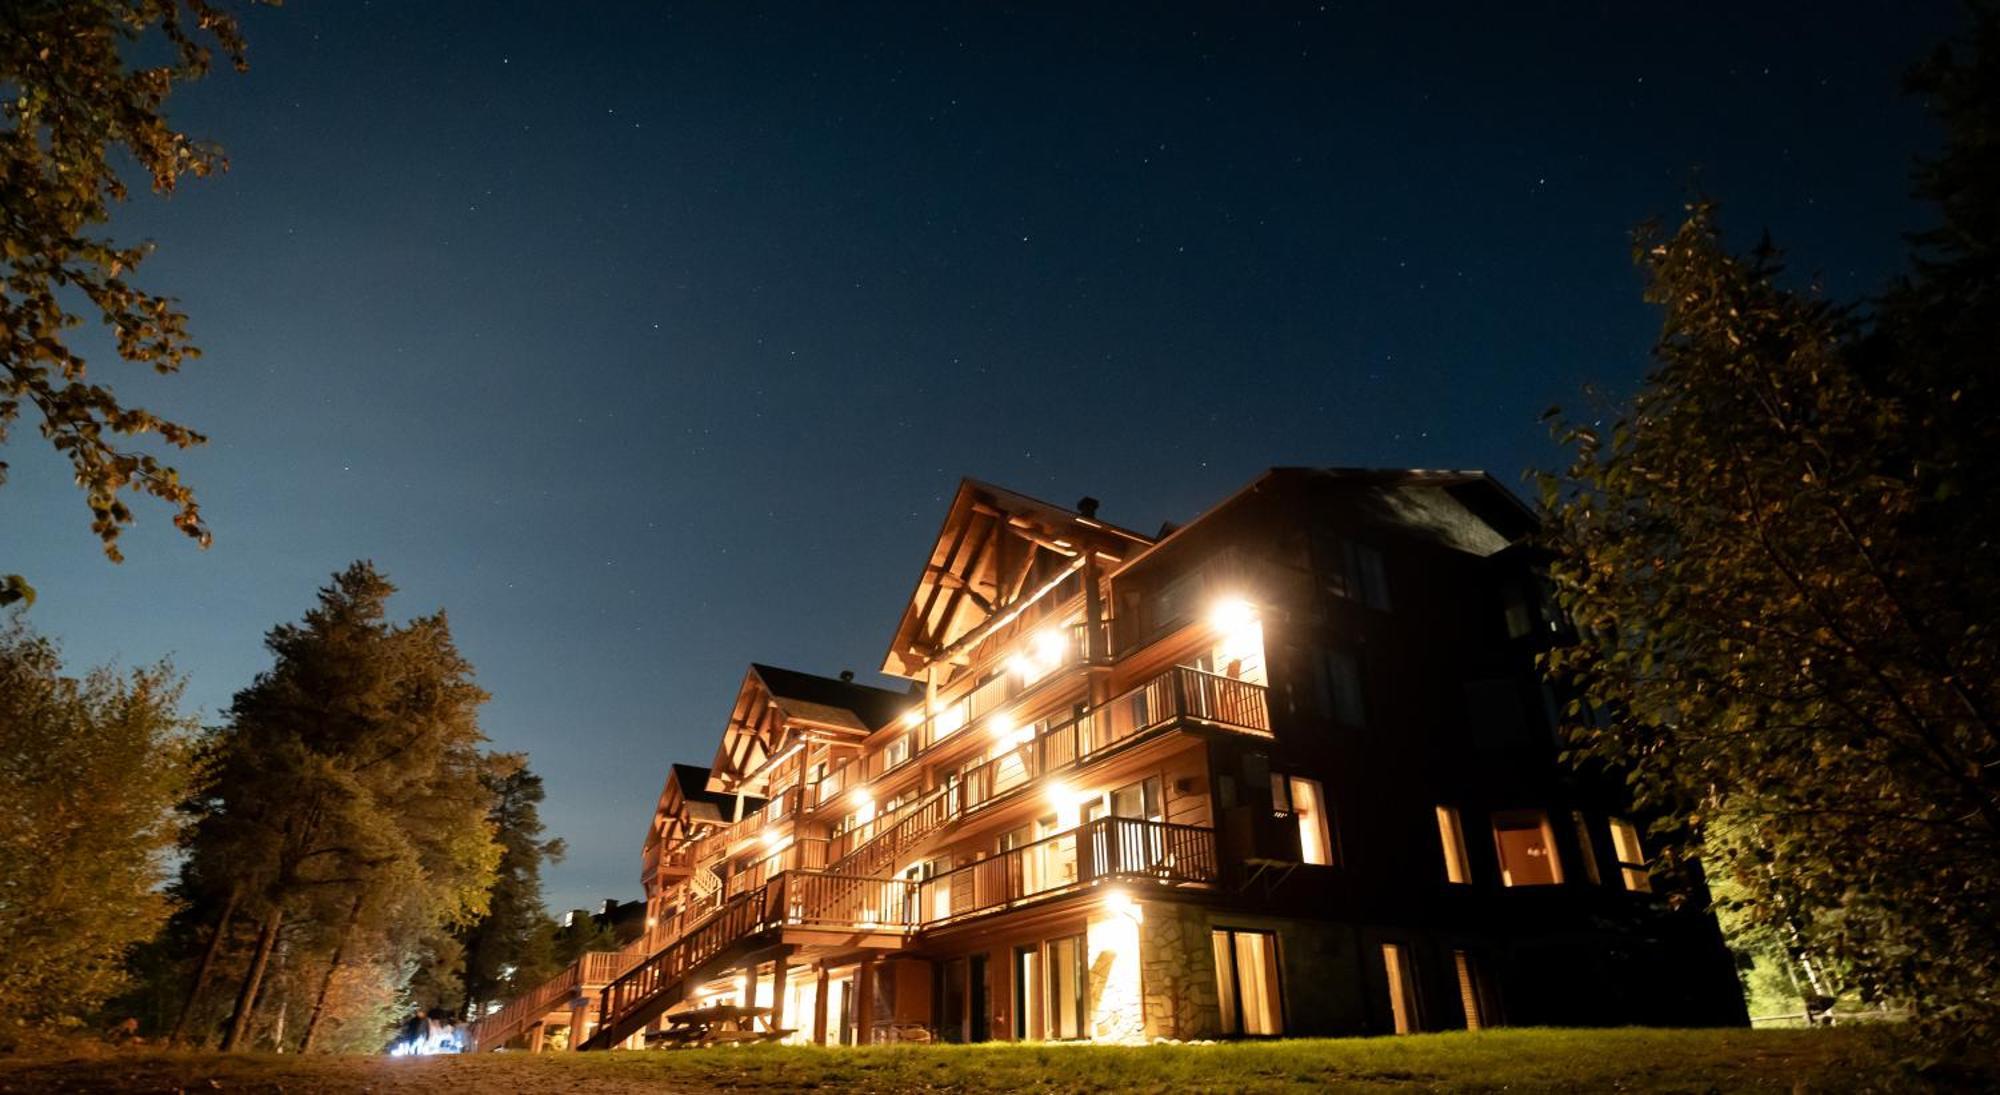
90	771
78	112
1782	558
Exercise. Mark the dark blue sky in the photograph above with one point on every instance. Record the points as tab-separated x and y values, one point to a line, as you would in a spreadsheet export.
651	340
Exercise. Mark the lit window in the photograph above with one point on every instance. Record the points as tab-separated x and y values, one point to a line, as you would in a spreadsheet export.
1631	856
1527	849
1246	977
1452	836
949	720
899	750
1307	804
1402	988
1470	990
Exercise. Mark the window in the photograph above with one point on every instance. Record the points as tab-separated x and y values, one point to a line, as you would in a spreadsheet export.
899	750
1631	856
1067	978
1520	616
1452	836
1527	849
1139	800
1303	799
1246	977
1339	680
1365	564
1587	848
1402	987
1026	995
1471	991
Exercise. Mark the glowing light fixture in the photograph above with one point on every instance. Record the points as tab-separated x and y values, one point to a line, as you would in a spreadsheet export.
913	716
1050	646
1119	903
1232	615
772	837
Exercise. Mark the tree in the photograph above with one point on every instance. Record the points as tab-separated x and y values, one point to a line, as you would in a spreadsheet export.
76	110
90	770
509	949
1782	560
345	814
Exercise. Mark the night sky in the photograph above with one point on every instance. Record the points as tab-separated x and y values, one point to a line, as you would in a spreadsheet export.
651	340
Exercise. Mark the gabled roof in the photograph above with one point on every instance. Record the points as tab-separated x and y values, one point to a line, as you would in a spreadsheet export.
991	541
697	801
830	702
1467	510
778	710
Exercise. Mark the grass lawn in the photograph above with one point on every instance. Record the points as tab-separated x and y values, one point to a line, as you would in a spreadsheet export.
1632	1060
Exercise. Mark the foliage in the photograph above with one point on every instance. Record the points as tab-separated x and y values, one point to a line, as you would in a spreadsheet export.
1782	559
345	811
75	111
90	770
508	950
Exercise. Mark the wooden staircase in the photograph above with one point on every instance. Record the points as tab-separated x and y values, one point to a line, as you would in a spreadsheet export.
589	973
879	855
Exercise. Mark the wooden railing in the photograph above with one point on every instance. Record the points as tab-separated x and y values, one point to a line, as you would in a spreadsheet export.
1108	848
959	716
802	854
624	997
1104	849
493	1030
826	899
872	848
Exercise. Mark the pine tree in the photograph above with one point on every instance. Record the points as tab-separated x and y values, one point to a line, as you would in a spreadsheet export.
345	816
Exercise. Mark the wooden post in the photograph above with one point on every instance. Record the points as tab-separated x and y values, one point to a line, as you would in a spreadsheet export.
819	1008
864	1000
749	984
780	972
535	1038
579	1021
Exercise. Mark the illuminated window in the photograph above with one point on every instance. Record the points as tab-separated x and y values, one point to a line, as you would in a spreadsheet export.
1307	804
1402	987
899	750
1527	849
1470	991
949	721
1067	978
1246	977
1451	835
1631	856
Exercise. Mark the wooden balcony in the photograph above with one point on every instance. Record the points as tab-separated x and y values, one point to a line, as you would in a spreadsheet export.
814	901
1178	696
1110	848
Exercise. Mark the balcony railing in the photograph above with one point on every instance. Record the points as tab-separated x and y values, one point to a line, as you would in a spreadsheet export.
958	716
493	1030
1180	693
1104	849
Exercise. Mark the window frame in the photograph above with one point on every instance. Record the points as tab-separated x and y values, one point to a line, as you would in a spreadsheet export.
1508	819
1451	840
1634	873
1232	992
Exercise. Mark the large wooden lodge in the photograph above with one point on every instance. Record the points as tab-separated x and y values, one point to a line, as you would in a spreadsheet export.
1286	770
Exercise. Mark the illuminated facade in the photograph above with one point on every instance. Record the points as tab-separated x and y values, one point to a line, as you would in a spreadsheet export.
1287	770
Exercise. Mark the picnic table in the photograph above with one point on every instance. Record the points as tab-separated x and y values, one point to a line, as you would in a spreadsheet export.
722	1024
